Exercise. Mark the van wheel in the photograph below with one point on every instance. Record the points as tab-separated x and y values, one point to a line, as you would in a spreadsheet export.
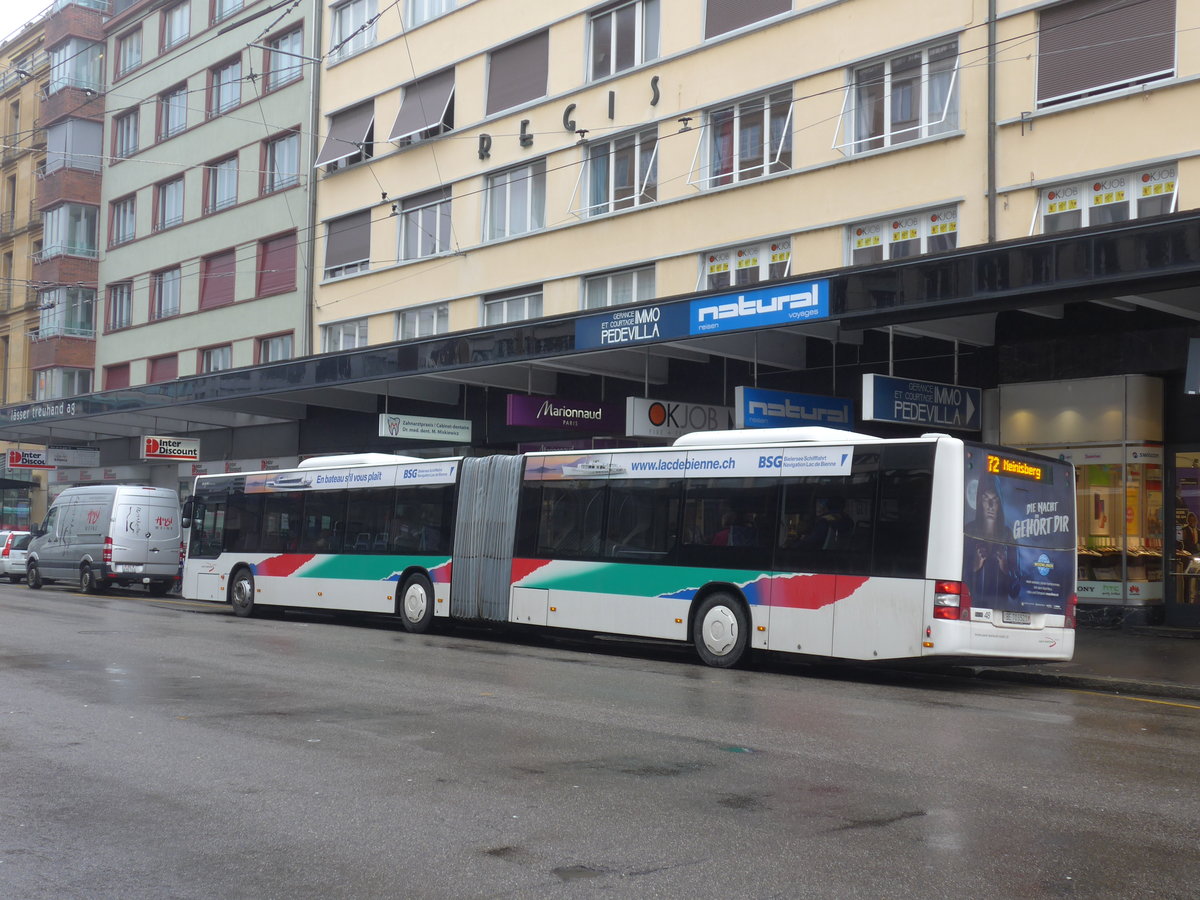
721	631
87	581
33	577
241	593
416	604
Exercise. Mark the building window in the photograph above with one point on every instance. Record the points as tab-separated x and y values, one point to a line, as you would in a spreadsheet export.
517	73
282	163
216	359
220	184
123	225
350	138
116	376
623	36
748	264
176	23
218	275
423	321
284	59
897	237
344	336
503	308
67	311
275	348
906	97
76	63
1092	47
1112	198
418	12
622	173
425	224
276	265
516	201
129	52
125	134
164	301
163	368
618	288
348	245
721	16
223	9
61	382
168	199
120	306
69	230
750	139
426	111
74	144
225	87
353	29
172	112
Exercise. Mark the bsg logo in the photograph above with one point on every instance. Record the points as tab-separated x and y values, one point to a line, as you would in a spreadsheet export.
771	462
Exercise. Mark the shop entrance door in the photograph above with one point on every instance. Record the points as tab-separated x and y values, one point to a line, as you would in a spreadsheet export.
1183	592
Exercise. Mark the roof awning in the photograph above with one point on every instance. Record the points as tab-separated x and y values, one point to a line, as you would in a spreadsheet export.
347	133
425	104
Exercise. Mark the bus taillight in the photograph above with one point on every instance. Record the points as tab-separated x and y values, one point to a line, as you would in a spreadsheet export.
1070	612
949	601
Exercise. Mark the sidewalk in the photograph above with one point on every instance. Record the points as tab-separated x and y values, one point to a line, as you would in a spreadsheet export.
1154	662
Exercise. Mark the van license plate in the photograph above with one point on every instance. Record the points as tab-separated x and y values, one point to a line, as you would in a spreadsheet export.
1015	618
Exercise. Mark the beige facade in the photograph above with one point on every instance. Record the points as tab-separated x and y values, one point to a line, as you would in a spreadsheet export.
857	175
25	67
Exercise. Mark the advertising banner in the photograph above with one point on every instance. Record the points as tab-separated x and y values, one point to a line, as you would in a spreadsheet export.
159	447
73	456
551	412
625	325
1019	523
667	463
28	459
781	304
667	419
762	408
425	428
923	403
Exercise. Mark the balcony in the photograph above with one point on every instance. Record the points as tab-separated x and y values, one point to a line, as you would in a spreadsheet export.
80	101
76	19
72	351
24	70
11	223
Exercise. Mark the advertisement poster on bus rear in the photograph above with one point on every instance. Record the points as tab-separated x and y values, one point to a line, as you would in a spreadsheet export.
1019	526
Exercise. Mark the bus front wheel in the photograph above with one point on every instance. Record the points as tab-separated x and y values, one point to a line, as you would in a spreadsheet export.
721	631
416	604
241	593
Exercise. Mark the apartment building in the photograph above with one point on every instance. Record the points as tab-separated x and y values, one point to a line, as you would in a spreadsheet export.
205	204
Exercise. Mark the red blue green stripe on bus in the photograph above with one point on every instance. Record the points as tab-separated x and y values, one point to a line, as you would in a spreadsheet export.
674	583
354	567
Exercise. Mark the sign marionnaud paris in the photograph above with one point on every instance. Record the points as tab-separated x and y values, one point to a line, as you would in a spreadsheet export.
555	412
670	419
155	446
425	428
780	304
762	408
910	402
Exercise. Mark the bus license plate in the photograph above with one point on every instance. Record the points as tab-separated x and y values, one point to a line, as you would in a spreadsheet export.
1015	618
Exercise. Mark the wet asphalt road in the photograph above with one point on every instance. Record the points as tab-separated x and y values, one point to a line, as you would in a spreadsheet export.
155	749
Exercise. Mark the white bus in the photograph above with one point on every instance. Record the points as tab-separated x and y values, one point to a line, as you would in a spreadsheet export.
808	540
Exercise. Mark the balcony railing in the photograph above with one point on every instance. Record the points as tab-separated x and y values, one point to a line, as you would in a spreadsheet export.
45	332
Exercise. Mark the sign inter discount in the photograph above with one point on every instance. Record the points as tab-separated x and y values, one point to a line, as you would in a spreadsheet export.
158	447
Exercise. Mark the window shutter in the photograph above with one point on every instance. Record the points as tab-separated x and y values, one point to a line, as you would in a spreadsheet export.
348	239
116	376
518	72
1090	46
277	265
217	279
164	368
347	132
424	106
721	16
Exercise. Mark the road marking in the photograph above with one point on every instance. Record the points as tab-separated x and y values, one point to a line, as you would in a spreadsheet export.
1138	699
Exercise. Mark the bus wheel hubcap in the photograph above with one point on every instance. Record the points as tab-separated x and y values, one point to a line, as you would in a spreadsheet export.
720	630
414	603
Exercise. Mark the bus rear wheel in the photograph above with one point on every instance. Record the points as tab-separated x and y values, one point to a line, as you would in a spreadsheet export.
241	593
721	631
416	604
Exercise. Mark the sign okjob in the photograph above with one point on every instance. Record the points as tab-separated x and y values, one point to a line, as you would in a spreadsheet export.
762	408
909	402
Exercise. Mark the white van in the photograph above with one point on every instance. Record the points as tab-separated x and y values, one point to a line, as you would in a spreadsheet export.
108	534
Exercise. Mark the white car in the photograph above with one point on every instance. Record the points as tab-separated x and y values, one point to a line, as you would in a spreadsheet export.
13	545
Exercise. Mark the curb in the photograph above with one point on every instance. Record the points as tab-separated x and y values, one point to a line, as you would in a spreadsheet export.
1107	684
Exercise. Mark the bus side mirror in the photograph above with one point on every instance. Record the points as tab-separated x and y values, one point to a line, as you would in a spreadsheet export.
186	516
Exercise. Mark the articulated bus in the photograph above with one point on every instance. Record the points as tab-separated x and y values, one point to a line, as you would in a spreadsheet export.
802	540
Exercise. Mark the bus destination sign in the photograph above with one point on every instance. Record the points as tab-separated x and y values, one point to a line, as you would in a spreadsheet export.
1017	468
